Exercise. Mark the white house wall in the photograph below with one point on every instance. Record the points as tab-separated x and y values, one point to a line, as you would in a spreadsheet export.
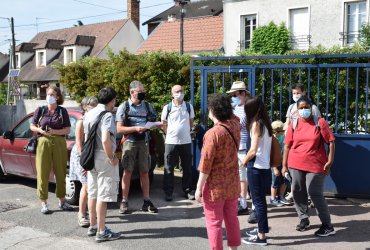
128	38
326	19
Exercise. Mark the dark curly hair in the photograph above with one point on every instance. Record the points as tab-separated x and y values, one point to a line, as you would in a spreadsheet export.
255	110
306	99
221	108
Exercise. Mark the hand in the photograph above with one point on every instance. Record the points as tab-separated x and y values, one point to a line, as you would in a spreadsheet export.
327	168
198	196
140	129
244	162
284	170
276	171
114	162
44	132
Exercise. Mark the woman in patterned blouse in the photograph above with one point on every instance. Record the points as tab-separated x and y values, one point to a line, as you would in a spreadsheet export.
218	182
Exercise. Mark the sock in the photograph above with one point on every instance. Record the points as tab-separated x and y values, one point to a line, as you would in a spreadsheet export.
243	203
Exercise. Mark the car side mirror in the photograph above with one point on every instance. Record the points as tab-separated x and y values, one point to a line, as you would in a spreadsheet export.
8	135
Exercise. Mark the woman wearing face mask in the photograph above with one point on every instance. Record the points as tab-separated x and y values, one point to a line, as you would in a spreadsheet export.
76	172
52	124
218	181
305	156
298	91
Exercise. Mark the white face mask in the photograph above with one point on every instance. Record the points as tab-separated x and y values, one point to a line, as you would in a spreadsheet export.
50	99
179	96
296	97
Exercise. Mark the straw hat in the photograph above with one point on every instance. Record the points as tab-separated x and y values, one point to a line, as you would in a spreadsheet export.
237	85
277	126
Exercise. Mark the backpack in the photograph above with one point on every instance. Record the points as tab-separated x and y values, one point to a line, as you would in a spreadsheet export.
87	158
149	115
315	119
169	107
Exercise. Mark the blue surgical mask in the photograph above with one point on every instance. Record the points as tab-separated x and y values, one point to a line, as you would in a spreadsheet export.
304	113
235	100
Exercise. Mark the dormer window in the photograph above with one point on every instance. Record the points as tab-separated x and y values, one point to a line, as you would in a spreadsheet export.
17	61
69	55
40	58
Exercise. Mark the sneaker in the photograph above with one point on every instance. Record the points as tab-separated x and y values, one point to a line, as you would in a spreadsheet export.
242	211
275	202
107	235
252	232
168	197
310	203
149	207
284	201
252	219
45	208
92	231
325	231
123	208
248	197
303	225
65	207
83	221
255	240
191	195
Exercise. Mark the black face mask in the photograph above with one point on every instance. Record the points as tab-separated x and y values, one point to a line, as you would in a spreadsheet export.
141	96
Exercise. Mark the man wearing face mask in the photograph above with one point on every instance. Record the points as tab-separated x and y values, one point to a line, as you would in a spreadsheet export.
177	118
131	117
239	94
292	113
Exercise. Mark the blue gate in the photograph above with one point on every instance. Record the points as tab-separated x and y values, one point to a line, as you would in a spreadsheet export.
339	89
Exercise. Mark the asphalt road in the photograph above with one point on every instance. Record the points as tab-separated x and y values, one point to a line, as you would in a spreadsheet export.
178	225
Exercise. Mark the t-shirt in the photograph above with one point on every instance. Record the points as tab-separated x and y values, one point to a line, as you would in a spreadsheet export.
137	116
244	136
307	151
106	124
219	159
178	123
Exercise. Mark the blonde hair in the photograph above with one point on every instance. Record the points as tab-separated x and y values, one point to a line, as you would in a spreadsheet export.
277	126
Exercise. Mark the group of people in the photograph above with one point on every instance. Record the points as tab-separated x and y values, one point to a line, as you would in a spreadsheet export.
100	185
223	156
235	155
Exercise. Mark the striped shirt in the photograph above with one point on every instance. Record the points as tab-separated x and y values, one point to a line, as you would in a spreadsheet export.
244	136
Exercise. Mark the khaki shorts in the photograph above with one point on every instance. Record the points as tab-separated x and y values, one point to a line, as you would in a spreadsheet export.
103	180
135	154
242	168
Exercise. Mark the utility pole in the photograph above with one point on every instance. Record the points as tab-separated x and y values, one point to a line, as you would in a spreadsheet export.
182	3
13	42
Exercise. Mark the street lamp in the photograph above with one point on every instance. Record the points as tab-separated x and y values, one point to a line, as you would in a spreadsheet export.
182	3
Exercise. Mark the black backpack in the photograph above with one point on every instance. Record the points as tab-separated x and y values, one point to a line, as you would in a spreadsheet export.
169	107
87	153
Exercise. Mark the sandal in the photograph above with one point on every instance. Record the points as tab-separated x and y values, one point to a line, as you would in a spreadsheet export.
83	221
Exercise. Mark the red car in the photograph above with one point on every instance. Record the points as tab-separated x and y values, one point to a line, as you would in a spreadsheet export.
16	161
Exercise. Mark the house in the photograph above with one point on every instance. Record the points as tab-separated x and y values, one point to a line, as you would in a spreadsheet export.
202	34
193	9
4	66
36	57
310	22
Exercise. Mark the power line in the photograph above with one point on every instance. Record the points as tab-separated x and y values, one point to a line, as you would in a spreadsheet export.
96	5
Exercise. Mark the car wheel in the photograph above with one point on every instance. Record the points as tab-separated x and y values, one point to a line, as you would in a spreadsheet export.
1	173
72	191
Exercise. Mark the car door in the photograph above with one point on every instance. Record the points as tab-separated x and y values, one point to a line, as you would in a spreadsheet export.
14	158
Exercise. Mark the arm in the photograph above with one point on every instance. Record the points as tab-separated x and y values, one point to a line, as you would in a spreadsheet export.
330	161
254	144
122	129
63	131
285	159
80	136
107	146
201	181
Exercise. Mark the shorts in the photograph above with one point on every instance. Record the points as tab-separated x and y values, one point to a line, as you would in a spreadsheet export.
103	180
277	181
242	168
135	154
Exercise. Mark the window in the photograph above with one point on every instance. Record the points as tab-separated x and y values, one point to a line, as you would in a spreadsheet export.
71	135
40	59
69	56
248	25
355	16
23	129
299	26
17	61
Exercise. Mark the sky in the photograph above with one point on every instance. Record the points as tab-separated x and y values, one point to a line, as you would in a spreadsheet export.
32	16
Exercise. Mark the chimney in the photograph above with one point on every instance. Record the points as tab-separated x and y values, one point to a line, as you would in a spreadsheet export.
133	12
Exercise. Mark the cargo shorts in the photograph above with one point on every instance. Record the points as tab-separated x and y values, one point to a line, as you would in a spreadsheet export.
103	180
242	168
135	154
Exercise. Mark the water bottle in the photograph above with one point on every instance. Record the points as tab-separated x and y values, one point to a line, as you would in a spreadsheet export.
287	176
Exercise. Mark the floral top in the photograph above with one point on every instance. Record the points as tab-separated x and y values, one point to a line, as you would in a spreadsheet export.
219	160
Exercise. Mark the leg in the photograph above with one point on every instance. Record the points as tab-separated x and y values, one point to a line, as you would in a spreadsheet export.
92	212
92	188
186	164
170	156
60	157
144	181
315	187
300	193
143	161
101	210
232	223
213	212
128	164
126	182
43	168
83	200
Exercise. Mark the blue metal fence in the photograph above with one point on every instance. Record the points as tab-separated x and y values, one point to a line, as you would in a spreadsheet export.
339	89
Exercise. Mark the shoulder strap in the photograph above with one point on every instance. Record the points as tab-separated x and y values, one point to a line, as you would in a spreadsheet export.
236	144
60	111
169	107
295	122
41	113
148	111
188	107
92	131
316	120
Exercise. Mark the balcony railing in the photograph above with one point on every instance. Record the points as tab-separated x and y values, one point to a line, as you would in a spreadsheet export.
349	37
301	39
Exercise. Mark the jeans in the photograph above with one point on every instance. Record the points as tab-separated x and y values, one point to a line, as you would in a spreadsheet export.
259	181
312	184
216	212
171	156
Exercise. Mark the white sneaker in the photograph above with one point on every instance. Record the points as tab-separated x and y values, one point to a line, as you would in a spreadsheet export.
44	208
